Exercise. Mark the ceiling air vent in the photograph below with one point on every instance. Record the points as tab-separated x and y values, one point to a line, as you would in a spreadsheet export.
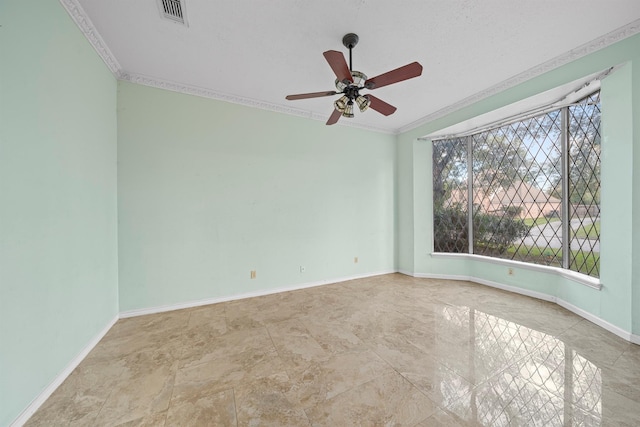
173	10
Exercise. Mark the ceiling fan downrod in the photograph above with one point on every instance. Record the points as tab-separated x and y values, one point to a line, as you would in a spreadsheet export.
350	41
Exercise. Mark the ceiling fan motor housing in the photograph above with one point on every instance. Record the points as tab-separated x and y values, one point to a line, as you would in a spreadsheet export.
351	92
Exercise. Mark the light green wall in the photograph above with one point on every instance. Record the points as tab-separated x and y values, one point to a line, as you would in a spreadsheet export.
616	243
635	191
619	301
404	207
209	191
58	249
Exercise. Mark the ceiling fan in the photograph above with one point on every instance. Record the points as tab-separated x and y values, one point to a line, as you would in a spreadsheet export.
349	83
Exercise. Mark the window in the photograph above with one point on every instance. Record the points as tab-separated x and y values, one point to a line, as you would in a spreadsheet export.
527	191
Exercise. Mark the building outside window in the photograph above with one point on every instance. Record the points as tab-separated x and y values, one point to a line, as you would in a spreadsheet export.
527	190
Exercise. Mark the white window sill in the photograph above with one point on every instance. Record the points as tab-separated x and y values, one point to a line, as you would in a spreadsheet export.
583	279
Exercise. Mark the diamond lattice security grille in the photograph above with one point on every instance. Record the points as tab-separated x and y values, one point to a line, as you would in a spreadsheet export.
517	178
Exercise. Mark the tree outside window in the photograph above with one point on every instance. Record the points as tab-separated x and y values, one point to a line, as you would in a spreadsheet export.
514	176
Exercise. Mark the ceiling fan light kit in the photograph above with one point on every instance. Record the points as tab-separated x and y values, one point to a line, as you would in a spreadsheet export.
349	83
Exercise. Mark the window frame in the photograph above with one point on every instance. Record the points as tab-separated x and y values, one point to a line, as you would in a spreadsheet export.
563	271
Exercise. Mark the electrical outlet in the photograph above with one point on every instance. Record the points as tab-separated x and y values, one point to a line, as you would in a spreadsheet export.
253	274
510	271
303	269
355	260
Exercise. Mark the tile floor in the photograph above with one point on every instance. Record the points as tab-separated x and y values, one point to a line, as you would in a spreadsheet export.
384	351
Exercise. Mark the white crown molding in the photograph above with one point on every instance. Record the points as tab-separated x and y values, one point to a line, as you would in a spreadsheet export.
234	99
584	50
85	25
79	16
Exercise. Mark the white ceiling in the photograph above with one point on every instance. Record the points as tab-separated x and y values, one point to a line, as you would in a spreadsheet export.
256	52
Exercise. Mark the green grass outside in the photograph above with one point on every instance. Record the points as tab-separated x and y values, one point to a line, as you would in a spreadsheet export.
584	260
538	221
589	231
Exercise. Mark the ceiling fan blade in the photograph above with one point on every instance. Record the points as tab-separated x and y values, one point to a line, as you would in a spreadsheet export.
409	71
339	65
311	95
334	117
380	106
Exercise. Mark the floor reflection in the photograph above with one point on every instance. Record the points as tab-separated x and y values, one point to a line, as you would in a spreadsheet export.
542	381
385	350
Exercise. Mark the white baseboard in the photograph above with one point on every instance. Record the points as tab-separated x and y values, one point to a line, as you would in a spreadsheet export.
44	395
514	289
207	301
457	277
626	335
597	320
59	379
